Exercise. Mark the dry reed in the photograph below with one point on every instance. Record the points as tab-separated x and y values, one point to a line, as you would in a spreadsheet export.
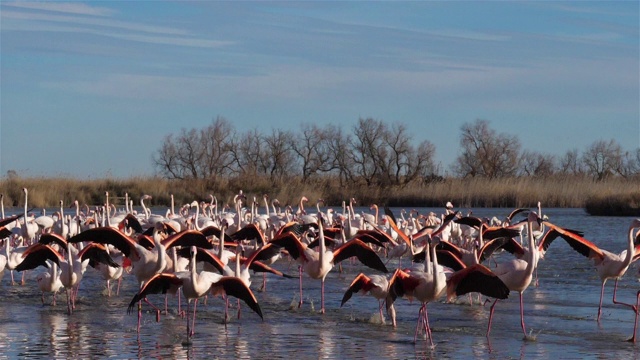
613	196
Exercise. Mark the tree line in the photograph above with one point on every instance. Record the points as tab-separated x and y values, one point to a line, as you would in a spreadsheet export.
373	153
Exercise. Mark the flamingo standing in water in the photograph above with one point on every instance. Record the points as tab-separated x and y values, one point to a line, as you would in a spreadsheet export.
317	264
425	286
72	267
145	263
517	273
194	286
608	265
377	286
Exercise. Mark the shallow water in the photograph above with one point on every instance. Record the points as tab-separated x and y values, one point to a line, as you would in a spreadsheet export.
560	312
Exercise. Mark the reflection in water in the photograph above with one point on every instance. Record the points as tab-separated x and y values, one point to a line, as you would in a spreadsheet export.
561	311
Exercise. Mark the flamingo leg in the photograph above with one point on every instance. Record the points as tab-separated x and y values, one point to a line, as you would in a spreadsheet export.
615	288
54	298
635	322
415	337
108	288
193	324
118	287
427	327
264	281
300	271
69	311
601	295
139	314
381	303
491	317
188	322
226	309
522	316
238	309
322	296
153	306
43	298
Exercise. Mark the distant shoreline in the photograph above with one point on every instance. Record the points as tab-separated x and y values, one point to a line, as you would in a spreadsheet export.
613	197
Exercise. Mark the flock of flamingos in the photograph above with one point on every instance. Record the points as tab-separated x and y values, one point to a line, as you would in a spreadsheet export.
202	250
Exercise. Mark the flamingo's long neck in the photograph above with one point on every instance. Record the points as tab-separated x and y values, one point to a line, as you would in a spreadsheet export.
323	247
630	249
266	205
532	254
436	278
162	256
2	205
197	215
221	250
192	263
26	196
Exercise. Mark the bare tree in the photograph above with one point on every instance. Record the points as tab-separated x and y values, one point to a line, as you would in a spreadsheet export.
248	155
313	149
340	152
217	139
196	154
486	153
533	163
570	163
278	154
603	159
405	163
368	150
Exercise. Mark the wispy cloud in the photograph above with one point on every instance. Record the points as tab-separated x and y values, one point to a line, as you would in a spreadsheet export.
26	21
64	7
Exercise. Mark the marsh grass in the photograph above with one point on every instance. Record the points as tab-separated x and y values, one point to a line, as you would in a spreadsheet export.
613	196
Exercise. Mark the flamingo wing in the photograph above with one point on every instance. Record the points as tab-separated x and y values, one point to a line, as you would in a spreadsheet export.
516	212
491	246
364	253
450	260
159	283
392	222
291	242
476	278
107	235
97	253
203	256
249	232
49	238
233	286
258	266
490	233
472	221
188	238
400	284
361	282
211	231
37	255
10	219
572	237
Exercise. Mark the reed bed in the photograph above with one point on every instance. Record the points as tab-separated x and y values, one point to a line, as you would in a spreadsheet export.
615	196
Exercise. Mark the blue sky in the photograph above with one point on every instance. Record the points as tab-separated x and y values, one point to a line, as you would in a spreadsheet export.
89	89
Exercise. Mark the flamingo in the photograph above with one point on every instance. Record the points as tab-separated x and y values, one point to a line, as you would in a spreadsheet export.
425	286
145	263
377	286
30	228
317	264
608	265
194	286
49	281
72	267
517	273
